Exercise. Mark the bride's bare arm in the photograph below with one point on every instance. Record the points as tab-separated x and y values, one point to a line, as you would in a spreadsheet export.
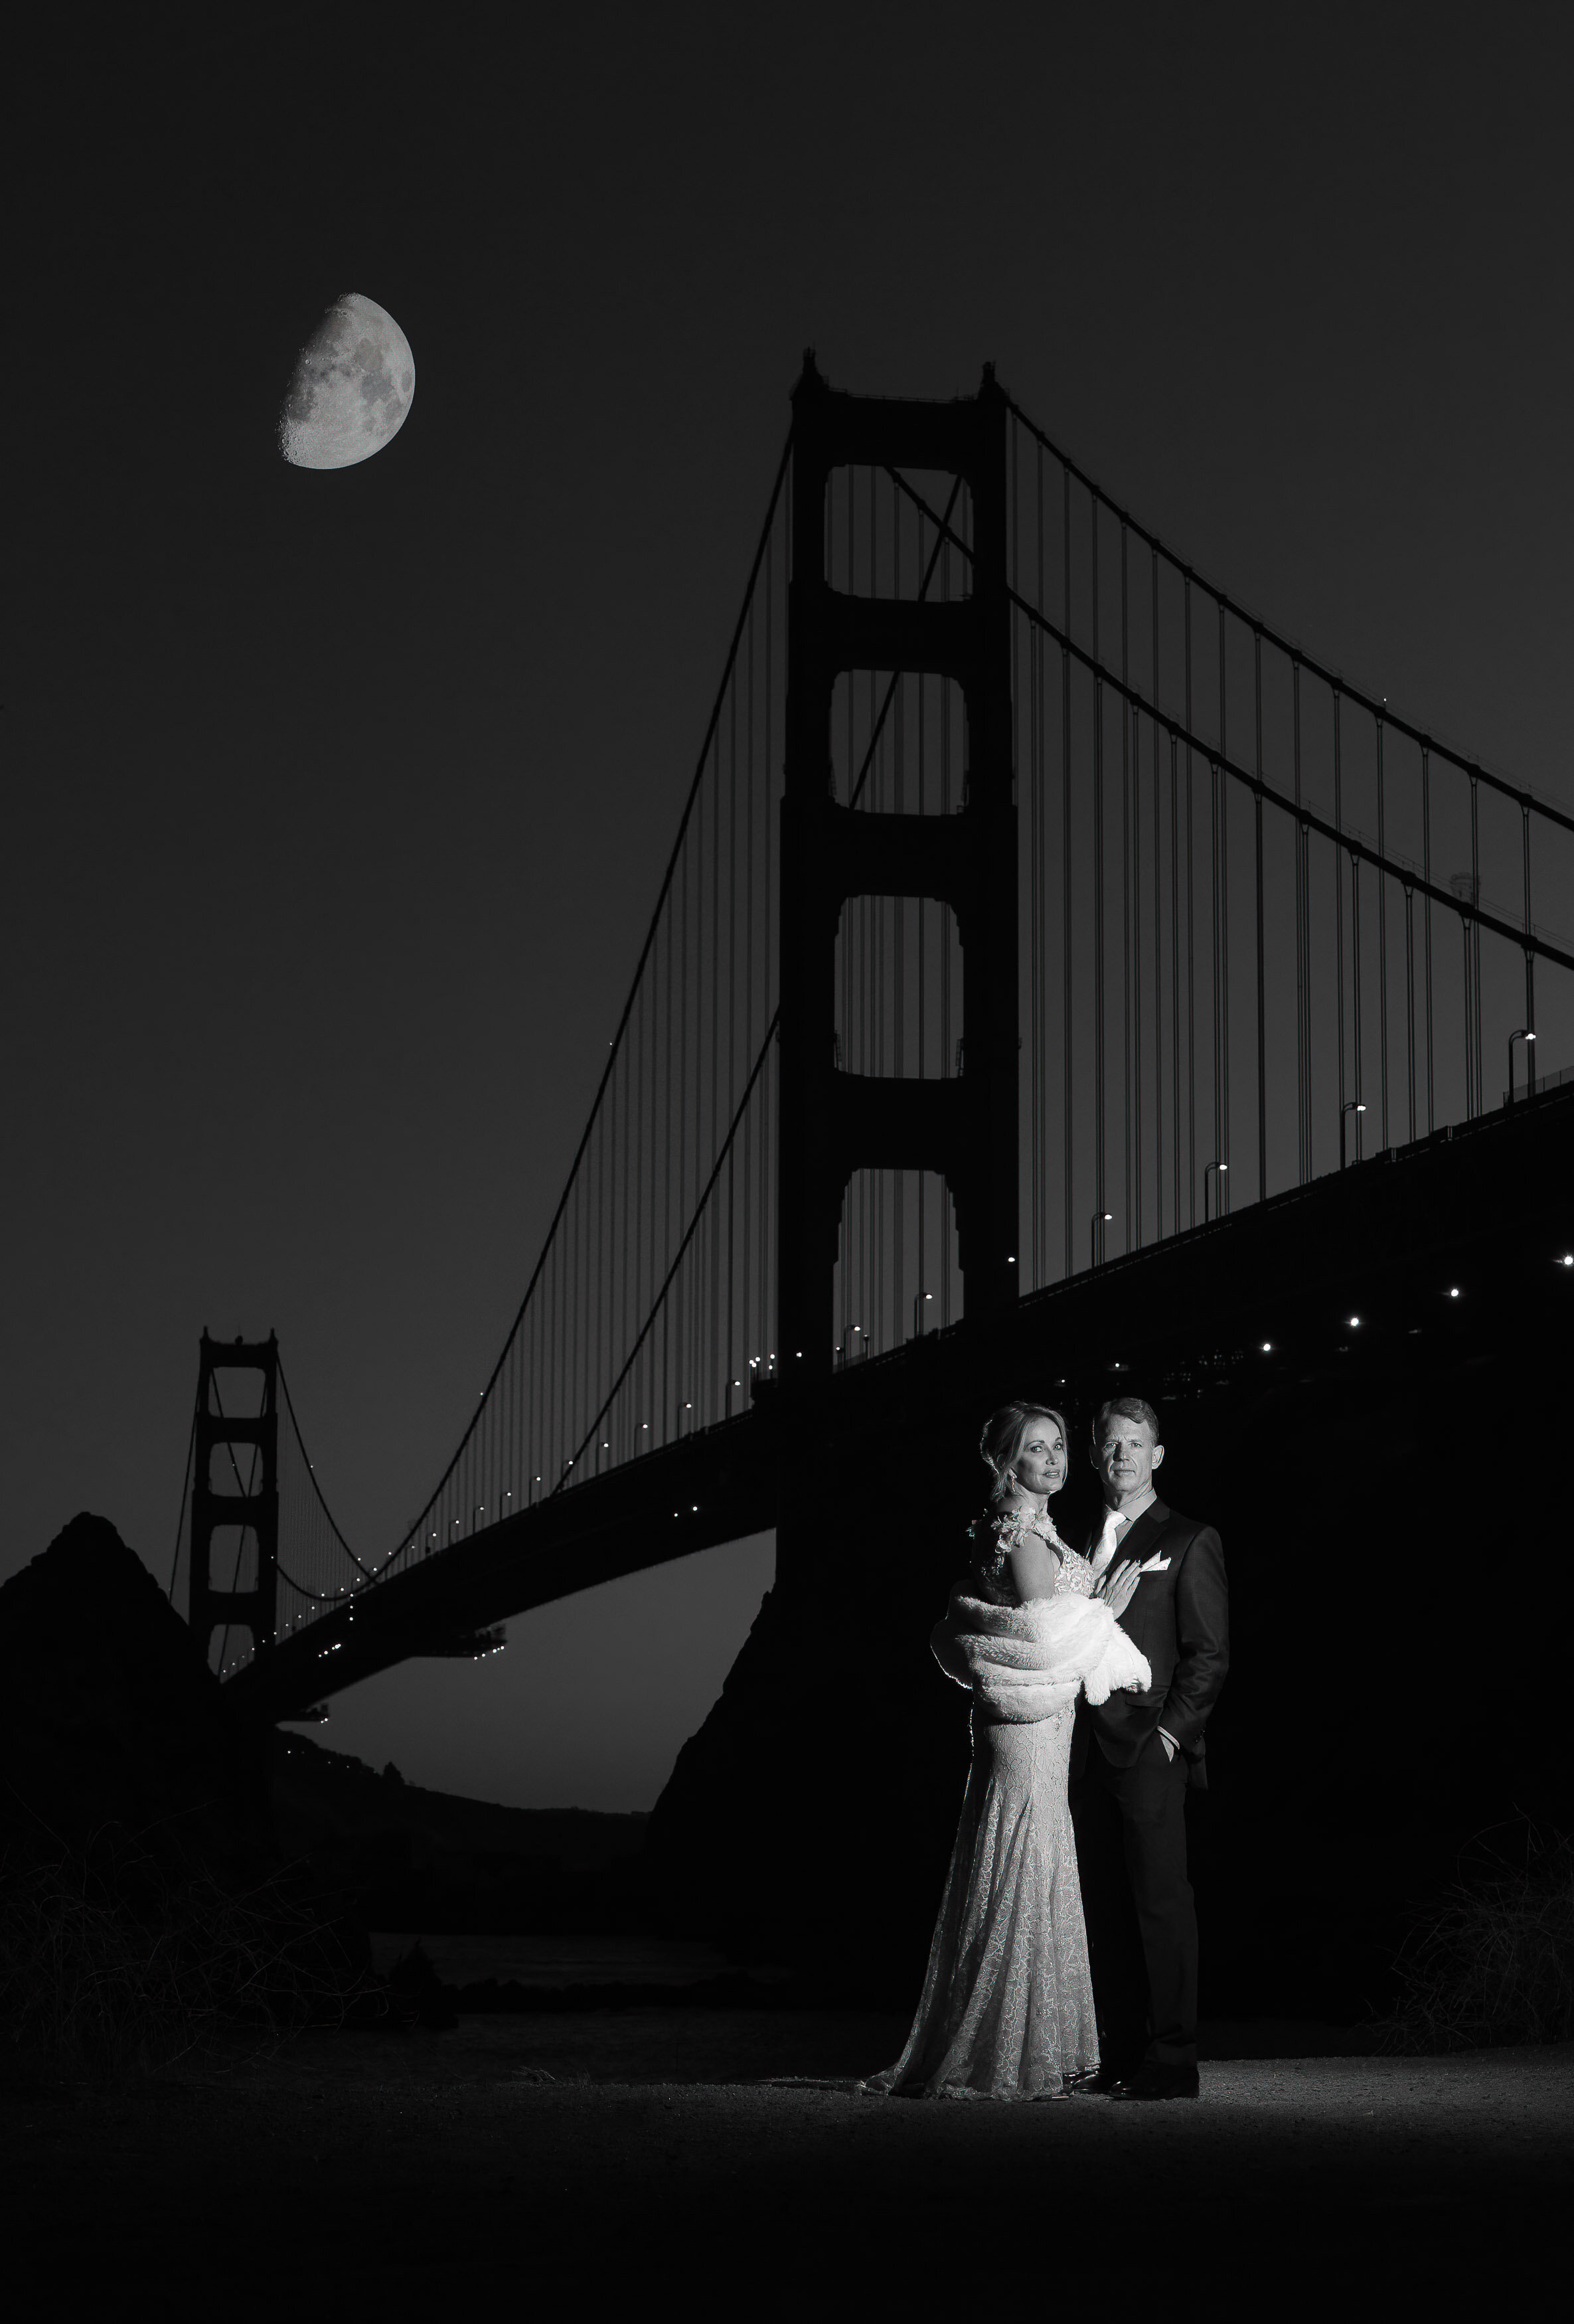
1035	1567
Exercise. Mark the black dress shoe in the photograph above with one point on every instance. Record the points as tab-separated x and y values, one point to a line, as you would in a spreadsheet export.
1098	2084
1156	2081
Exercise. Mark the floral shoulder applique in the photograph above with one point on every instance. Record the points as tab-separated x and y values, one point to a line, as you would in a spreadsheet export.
994	1535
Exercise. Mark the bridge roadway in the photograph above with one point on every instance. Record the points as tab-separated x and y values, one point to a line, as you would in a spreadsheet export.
1485	1209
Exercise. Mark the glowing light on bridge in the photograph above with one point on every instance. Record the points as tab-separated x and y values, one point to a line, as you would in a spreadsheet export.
662	1261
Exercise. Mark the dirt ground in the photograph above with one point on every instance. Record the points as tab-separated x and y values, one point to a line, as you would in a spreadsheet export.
724	2164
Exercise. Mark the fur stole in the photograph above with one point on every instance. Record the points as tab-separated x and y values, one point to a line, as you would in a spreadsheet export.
1027	1663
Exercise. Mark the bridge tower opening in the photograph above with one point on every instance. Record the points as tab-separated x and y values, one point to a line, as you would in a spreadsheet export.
252	1507
834	1122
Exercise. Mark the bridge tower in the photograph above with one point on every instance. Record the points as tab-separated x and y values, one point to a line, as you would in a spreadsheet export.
255	1609
833	1122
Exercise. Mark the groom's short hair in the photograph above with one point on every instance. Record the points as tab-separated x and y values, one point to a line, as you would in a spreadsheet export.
1130	1407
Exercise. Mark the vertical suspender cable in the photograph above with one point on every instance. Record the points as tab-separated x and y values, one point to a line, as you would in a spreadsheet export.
1475	934
1098	898
630	1209
607	1190
767	1208
1224	976
601	1333
554	1374
1410	1001
696	1286
703	1295
875	1192
865	1000
1262	1036
721	1336
945	1047
1190	949
1158	937
1381	946
1128	1229
1137	978
751	1126
1356	990
684	1379
1469	1044
1530	958
637	1195
1221	1035
584	1208
534	1470
925	1270
1175	978
1014	523
1216	882
1038	966
872	1000
579	1286
732	1012
1065	795
1190	1003
1302	1044
1338	900
899	965
667	1085
570	1335
1426	918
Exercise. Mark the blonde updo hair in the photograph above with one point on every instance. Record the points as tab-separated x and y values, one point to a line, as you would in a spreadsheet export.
1004	1434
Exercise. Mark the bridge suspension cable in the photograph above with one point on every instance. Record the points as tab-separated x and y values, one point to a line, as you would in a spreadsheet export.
1162	714
1215	1005
647	1313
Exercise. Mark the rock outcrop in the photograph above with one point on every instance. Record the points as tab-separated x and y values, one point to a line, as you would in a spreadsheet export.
111	1721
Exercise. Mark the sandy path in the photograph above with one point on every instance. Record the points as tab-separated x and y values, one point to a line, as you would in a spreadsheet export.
368	2173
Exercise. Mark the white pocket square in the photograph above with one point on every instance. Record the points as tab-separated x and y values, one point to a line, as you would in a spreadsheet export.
1155	1565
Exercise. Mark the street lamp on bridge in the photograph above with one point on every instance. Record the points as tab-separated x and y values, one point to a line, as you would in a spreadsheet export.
918	1299
1350	1105
1521	1033
1222	1168
1100	1220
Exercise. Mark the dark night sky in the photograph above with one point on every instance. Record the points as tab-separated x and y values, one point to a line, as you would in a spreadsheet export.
335	803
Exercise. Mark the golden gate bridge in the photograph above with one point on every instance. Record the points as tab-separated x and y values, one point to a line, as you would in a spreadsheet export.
1034	907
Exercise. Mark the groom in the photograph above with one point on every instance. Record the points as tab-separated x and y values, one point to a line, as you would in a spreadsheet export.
1132	1760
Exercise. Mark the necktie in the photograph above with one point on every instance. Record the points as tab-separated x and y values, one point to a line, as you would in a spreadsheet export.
1115	1526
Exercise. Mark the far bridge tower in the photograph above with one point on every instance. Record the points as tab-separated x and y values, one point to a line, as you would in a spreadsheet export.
251	1508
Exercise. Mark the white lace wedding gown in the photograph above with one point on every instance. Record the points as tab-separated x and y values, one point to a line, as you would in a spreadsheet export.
1007	2009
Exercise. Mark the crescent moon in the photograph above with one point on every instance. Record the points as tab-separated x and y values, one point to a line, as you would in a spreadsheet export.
350	390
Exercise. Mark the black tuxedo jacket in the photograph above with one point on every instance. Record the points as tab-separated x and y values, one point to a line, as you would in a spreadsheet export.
1180	1619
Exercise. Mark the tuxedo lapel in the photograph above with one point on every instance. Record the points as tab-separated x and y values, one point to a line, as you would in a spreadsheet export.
1146	1532
1144	1620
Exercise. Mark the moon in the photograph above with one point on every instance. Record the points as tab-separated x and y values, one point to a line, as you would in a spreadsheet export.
350	390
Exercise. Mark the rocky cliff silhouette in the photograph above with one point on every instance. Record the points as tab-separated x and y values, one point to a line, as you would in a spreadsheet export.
110	1717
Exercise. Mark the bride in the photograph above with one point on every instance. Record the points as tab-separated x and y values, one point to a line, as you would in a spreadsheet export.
1007	2010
